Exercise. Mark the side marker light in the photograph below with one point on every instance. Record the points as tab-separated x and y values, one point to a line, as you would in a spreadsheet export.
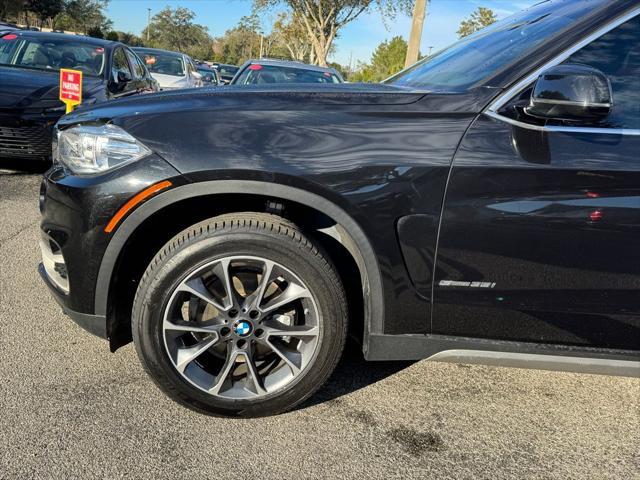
134	201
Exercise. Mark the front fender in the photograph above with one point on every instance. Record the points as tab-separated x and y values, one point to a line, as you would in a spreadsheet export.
346	231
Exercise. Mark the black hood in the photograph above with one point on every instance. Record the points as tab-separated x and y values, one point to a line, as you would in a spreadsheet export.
26	88
233	98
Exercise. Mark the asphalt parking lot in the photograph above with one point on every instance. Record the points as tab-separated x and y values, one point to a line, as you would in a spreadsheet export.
71	409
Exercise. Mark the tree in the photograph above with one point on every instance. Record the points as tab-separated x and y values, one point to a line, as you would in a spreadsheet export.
290	38
175	30
84	16
239	43
479	19
128	38
95	32
10	10
387	59
45	10
323	19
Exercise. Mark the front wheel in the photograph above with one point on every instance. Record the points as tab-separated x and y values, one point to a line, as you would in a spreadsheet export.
240	315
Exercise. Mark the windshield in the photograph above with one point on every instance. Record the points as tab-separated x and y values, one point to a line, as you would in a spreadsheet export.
207	74
227	71
484	53
47	54
163	63
256	74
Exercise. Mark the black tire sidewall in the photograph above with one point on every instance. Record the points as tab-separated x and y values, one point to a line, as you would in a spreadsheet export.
298	257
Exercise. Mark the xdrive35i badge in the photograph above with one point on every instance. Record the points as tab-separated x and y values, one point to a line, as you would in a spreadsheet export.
454	283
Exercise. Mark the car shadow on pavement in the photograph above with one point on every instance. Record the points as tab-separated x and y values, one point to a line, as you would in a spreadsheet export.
353	373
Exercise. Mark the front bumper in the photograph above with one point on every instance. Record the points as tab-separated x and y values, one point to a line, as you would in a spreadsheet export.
26	136
75	211
95	324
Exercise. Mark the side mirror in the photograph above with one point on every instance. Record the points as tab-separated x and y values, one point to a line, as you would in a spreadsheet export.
571	92
124	77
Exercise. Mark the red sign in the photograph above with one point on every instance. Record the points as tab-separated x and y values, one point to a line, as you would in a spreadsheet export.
70	87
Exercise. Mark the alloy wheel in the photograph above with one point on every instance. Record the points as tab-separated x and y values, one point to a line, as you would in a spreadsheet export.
241	327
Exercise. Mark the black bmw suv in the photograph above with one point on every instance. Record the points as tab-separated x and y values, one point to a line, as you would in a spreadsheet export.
480	206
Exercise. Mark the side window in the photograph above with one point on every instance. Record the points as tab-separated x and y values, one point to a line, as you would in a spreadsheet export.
190	66
119	64
136	63
617	54
29	54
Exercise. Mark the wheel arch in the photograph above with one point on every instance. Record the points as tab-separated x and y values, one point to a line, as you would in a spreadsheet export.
345	230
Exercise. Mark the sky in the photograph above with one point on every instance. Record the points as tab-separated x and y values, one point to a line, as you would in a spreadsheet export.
356	41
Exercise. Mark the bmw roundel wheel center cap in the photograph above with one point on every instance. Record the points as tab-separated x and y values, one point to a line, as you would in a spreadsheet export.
242	328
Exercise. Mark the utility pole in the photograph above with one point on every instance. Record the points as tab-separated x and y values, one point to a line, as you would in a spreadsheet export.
261	45
148	24
413	50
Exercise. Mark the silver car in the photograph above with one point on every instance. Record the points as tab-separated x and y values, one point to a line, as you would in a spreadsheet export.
172	70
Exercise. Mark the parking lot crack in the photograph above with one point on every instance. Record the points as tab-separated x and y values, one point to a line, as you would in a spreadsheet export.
16	233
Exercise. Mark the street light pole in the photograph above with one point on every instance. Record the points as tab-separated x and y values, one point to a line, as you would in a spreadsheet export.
413	50
148	24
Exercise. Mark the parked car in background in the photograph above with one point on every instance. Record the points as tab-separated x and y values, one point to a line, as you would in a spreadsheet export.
257	72
172	70
226	71
7	27
29	84
210	76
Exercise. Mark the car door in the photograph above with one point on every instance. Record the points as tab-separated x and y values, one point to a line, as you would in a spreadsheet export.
145	83
137	73
540	236
121	82
195	79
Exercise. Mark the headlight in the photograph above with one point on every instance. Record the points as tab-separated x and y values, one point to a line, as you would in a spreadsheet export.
97	148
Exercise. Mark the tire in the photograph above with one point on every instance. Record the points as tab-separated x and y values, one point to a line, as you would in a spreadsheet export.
284	357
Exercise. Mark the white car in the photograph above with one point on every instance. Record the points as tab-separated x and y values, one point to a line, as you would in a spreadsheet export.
172	70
